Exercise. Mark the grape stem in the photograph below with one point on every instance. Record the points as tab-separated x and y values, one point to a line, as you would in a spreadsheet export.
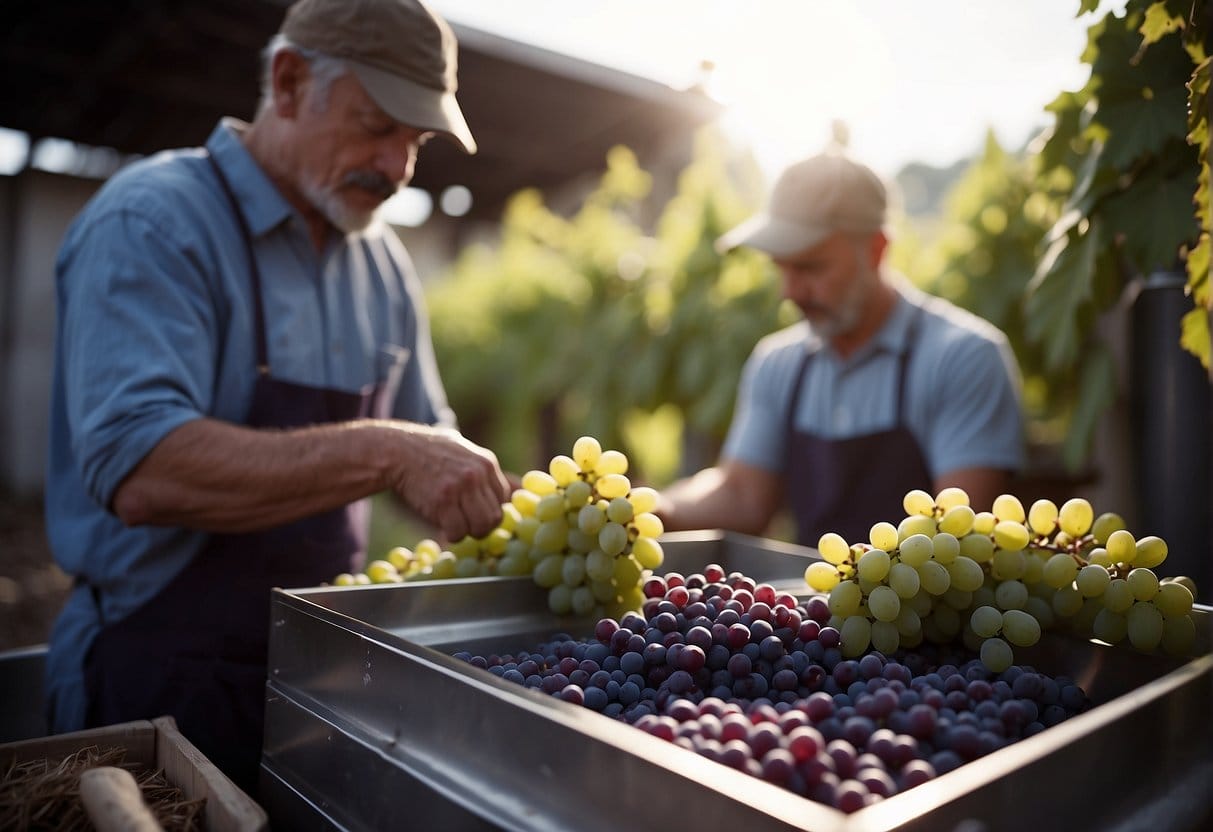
1078	549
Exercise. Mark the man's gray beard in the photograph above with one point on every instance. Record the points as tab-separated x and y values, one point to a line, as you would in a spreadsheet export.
331	206
839	323
847	317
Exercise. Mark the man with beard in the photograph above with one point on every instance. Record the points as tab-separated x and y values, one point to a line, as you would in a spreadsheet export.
242	359
879	390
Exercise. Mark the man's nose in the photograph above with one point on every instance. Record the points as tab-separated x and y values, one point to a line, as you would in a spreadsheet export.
397	160
795	286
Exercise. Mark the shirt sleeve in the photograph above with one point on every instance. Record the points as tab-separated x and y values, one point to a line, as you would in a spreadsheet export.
757	435
138	341
976	412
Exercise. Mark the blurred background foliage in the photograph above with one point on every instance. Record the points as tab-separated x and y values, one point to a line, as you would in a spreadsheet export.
980	253
595	324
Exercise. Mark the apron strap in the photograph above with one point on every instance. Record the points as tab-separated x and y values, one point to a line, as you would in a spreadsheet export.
790	415
263	363
904	364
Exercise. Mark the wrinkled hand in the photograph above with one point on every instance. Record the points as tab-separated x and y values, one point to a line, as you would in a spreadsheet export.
452	482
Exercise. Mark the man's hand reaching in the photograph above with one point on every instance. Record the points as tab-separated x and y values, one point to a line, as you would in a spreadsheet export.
451	482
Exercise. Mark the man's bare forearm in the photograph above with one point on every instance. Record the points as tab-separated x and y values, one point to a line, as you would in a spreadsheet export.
221	477
731	497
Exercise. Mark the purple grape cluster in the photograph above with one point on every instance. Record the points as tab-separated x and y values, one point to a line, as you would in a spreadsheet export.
754	679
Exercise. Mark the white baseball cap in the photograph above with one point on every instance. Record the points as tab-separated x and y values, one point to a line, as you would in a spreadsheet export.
813	199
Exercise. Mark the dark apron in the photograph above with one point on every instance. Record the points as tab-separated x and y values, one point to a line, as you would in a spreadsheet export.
197	650
848	485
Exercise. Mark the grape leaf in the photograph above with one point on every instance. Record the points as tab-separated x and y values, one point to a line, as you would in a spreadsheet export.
1160	22
1111	45
1085	6
1201	200
1058	146
1194	335
1198	104
1141	126
1061	285
1096	393
1199	283
1093	181
1155	218
1125	66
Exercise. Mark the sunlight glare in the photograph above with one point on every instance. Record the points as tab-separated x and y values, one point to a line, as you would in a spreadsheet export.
789	75
409	207
14	151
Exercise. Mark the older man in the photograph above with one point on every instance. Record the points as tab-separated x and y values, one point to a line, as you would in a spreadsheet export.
879	390
242	359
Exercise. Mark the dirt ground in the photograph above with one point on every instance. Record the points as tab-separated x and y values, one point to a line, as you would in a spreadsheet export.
32	587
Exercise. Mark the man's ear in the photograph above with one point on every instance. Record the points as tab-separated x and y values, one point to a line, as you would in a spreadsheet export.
876	248
289	74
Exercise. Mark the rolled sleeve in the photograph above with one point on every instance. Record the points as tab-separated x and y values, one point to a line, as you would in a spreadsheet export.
138	360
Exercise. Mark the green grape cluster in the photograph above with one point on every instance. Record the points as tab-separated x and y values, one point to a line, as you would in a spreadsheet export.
997	579
584	533
580	529
468	558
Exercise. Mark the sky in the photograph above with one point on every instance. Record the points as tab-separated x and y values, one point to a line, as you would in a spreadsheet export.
913	81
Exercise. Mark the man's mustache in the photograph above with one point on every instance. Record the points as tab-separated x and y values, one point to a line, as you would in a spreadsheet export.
376	183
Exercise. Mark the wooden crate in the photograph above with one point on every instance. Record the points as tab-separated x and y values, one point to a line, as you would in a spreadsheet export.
156	744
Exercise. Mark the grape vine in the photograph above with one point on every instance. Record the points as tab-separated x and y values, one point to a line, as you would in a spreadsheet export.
1129	156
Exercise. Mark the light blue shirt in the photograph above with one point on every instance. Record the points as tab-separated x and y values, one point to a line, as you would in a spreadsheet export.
962	390
156	328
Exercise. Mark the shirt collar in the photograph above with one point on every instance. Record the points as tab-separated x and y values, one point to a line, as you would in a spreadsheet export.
263	206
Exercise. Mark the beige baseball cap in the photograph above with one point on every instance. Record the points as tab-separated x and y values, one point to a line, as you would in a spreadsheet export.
404	54
811	200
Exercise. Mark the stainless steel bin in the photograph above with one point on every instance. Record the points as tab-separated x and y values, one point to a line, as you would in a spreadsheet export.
372	724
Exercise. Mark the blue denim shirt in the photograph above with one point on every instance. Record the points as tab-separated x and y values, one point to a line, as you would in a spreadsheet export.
155	328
